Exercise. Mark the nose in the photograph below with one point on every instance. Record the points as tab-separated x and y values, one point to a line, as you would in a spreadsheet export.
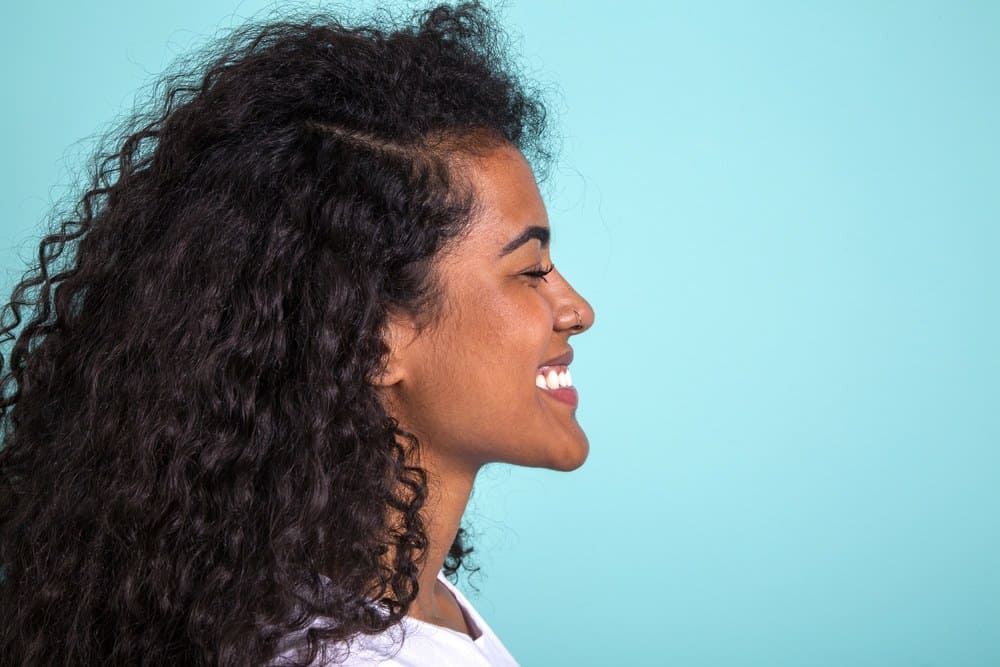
573	312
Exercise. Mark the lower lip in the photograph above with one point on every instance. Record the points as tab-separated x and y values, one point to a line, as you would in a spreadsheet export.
565	394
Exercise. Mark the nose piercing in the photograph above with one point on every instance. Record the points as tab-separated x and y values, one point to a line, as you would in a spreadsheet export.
579	320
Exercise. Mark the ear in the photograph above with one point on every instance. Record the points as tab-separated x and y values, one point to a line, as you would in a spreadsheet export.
399	333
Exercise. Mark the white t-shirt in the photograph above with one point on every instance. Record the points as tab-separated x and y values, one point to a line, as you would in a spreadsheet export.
425	644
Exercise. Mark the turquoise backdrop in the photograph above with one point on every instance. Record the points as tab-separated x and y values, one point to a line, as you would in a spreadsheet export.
787	218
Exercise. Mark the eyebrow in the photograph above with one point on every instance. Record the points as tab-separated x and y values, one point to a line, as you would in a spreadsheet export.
533	232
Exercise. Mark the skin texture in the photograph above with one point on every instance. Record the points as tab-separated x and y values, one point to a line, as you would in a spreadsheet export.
466	384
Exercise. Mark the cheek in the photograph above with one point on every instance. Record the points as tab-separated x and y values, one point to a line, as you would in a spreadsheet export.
520	333
499	337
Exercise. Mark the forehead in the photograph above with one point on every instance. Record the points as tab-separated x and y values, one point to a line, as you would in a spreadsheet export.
507	197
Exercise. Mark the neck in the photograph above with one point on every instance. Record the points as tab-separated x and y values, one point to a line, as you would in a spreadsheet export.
449	488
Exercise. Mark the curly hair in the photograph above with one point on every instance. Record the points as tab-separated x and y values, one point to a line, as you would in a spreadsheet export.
195	461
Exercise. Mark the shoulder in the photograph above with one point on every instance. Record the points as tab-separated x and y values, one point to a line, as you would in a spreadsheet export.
411	643
361	651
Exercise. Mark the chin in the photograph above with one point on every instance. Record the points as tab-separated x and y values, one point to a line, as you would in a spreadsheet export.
571	459
573	464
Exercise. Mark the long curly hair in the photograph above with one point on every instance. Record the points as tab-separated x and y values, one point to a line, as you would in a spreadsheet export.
195	461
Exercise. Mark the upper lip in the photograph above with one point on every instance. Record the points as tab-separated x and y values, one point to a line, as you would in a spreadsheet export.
563	359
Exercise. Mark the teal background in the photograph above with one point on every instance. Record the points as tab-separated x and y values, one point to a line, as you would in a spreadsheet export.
786	218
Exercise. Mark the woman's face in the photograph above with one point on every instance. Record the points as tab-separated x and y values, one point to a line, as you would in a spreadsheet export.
468	385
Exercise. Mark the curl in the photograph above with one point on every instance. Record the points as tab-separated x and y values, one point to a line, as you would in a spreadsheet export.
194	463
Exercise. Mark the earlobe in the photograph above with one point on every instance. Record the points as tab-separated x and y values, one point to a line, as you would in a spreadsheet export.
398	333
387	377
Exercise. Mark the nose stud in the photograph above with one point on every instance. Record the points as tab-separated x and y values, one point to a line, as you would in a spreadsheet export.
579	320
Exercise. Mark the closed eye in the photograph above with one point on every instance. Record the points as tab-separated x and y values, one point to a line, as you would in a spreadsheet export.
539	272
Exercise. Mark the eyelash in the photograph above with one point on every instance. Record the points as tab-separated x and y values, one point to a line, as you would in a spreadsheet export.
540	273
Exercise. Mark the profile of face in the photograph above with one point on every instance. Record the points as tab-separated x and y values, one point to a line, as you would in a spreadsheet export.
472	386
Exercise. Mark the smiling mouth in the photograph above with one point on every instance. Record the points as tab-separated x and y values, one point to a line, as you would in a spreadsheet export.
556	381
553	377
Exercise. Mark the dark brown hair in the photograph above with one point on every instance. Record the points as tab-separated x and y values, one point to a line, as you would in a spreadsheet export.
194	464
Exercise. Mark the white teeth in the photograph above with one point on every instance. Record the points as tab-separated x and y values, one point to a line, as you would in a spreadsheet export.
552	380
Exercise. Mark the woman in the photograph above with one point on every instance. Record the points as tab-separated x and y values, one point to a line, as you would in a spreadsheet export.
306	301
